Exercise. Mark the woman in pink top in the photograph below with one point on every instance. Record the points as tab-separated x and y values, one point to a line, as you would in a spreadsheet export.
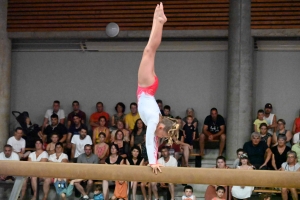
157	126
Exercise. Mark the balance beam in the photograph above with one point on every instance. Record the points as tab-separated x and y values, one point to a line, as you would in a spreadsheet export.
182	175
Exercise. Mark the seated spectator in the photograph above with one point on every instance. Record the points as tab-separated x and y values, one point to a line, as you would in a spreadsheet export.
112	159
296	125
31	133
138	132
185	148
123	146
167	111
8	154
167	161
189	131
74	129
120	192
264	135
296	138
120	126
63	189
39	156
259	120
76	111
97	193
101	149
279	152
144	151
290	165
78	143
213	129
256	151
211	189
59	156
55	110
51	146
18	143
136	159
236	163
101	128
178	146
131	117
188	193
282	131
243	192
296	148
90	158
160	106
270	118
191	112
55	127
94	119
120	109
296	130
220	191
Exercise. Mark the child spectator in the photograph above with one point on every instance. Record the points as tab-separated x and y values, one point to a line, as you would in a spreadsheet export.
239	152
188	193
120	190
260	119
189	131
97	193
220	193
51	146
62	189
167	111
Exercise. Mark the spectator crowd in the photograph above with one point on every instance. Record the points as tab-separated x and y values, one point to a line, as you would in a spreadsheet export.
119	139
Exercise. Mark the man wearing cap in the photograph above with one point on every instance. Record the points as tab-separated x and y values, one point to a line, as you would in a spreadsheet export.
270	118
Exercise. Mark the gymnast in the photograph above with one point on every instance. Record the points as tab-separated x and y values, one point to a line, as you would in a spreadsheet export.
157	126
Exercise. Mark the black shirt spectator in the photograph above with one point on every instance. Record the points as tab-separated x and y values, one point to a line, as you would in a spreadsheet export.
280	158
118	161
256	153
214	126
60	129
76	131
189	132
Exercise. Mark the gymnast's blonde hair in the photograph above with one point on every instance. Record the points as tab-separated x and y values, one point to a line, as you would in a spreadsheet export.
171	127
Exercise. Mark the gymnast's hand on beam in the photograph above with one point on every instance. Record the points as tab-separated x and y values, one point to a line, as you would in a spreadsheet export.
156	167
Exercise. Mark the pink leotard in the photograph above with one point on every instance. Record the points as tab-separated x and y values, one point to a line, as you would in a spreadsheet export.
149	113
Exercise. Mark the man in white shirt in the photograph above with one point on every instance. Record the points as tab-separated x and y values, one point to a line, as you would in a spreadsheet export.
167	161
56	110
8	154
18	143
78	142
270	118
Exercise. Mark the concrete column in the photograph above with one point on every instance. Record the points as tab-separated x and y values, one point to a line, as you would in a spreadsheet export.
239	91
5	66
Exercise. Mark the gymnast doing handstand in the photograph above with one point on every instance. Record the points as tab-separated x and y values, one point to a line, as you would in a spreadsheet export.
157	126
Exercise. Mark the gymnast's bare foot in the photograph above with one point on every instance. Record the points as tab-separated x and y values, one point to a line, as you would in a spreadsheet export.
159	13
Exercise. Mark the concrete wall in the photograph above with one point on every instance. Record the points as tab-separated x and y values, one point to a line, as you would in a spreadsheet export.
187	79
277	81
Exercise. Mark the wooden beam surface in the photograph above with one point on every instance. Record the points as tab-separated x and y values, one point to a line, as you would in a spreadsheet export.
259	178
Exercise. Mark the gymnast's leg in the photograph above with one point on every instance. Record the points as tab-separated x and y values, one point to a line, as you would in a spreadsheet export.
146	73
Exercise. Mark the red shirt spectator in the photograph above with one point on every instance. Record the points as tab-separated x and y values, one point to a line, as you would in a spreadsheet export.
94	119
